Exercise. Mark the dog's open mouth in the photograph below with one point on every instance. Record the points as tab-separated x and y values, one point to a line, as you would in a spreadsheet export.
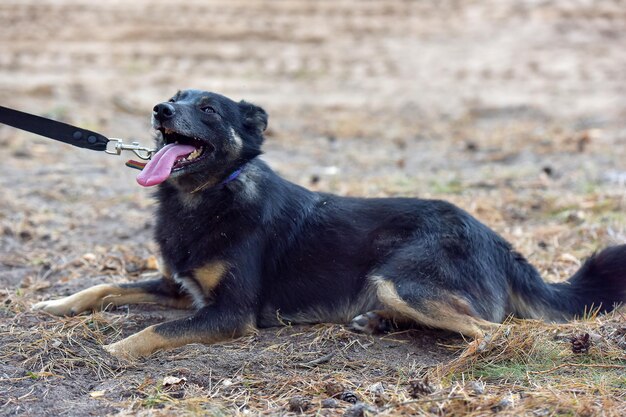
179	153
203	148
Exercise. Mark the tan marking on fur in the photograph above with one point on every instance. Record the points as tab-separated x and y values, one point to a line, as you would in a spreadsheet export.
453	314
100	296
163	268
528	310
148	341
210	275
139	296
143	343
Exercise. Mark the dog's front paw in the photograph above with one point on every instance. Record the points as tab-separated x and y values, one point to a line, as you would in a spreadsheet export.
61	307
121	351
138	345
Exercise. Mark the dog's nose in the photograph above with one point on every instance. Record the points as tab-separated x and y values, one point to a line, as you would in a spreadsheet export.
163	111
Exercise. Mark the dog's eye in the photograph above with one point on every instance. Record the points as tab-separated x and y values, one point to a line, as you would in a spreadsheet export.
208	109
171	100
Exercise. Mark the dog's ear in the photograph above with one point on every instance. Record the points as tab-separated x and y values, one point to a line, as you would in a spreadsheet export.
254	118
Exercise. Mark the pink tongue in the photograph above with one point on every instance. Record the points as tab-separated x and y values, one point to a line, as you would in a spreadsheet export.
160	166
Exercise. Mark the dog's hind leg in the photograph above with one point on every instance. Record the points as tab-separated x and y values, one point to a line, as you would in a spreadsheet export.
443	309
162	291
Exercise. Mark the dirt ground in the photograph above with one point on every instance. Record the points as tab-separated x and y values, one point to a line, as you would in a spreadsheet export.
516	111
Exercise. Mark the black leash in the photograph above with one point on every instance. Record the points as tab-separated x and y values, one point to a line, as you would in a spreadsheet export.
72	135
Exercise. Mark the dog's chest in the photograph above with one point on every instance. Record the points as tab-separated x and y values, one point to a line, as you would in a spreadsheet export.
193	248
189	239
186	246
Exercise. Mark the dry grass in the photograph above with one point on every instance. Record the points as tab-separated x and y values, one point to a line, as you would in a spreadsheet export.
526	368
530	366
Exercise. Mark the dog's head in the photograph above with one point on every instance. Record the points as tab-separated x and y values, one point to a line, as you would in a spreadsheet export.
203	137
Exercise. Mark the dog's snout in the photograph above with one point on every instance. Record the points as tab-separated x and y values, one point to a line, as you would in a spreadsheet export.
163	111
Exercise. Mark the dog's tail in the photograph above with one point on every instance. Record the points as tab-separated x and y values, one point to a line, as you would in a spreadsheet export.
599	285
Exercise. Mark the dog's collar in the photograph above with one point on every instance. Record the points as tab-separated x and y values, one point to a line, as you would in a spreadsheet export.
233	176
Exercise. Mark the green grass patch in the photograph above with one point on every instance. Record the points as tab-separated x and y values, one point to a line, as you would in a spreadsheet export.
453	186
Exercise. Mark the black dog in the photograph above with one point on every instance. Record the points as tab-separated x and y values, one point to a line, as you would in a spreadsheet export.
246	248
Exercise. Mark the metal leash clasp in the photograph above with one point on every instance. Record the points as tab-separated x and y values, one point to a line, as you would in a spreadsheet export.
119	146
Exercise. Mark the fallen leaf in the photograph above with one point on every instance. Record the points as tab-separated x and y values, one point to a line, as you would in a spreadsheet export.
173	380
96	394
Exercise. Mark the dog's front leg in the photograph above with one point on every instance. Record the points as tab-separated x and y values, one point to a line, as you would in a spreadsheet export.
208	325
162	291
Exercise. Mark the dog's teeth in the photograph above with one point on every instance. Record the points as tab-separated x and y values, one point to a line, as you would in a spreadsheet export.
194	154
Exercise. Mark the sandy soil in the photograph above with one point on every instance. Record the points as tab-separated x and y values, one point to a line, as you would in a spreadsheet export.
514	110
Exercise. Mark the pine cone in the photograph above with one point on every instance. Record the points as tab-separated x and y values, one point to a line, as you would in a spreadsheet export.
580	343
349	397
418	388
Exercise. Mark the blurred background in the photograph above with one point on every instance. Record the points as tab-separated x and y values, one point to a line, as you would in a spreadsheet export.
515	110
